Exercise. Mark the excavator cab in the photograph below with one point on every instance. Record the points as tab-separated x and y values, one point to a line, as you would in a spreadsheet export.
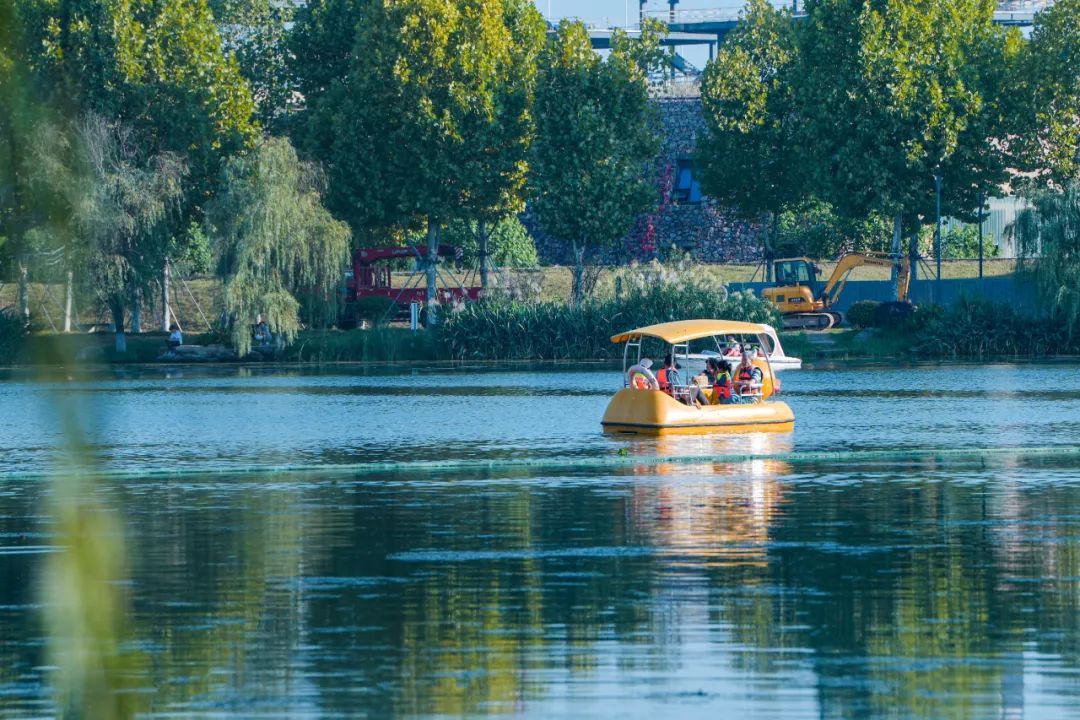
797	271
797	290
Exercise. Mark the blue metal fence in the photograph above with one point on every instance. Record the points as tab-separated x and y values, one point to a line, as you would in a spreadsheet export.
1006	289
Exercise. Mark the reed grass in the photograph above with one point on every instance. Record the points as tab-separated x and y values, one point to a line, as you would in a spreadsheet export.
508	329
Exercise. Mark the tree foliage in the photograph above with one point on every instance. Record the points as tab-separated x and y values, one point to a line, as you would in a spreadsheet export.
432	120
596	134
509	243
892	92
279	251
1049	233
155	65
815	230
749	157
256	32
1049	79
121	201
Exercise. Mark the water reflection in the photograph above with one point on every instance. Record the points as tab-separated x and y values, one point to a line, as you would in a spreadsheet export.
742	589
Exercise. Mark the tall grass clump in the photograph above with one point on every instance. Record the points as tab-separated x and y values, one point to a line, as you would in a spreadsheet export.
977	328
507	326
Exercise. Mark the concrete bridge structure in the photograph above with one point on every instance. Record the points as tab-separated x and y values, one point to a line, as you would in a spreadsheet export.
709	26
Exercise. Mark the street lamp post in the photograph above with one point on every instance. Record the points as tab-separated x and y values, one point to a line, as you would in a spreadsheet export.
937	234
982	201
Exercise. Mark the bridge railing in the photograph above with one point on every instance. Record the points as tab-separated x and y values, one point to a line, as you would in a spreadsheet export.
1013	12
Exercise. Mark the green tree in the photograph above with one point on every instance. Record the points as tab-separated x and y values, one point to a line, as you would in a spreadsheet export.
255	31
320	47
749	156
496	163
509	243
1050	137
892	93
427	92
157	67
596	133
1048	233
813	229
280	251
16	117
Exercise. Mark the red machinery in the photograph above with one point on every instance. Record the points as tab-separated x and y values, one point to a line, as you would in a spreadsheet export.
371	277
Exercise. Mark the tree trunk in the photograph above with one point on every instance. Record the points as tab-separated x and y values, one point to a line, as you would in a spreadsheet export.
24	290
136	312
117	309
432	278
913	254
770	248
578	290
482	241
69	298
165	316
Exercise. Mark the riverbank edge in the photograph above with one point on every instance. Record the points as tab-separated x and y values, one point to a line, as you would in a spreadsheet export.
390	346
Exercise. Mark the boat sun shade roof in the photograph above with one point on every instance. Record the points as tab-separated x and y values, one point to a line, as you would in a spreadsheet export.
685	330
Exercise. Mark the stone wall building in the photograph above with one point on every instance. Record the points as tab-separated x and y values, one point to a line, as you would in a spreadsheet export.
685	221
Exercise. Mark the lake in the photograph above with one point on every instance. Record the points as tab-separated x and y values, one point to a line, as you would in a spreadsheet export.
443	541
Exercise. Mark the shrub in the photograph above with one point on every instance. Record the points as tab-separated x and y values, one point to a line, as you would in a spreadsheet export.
863	314
982	329
373	308
12	335
504	329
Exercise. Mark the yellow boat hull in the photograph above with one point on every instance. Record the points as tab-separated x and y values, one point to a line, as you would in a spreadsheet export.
654	412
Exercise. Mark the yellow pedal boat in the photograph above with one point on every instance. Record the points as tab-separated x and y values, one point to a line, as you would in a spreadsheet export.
641	408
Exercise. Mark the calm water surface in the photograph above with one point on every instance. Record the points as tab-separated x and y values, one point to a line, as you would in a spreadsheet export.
465	541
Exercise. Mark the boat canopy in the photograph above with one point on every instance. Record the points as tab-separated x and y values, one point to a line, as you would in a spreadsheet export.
683	331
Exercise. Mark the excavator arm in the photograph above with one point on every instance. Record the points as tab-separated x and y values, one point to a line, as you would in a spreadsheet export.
849	262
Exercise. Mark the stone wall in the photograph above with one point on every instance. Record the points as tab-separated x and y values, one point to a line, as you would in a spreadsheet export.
704	230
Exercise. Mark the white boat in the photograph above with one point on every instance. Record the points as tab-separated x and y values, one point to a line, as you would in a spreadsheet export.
767	341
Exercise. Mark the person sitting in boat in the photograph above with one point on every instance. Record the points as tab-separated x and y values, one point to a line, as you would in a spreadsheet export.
732	349
641	376
669	376
662	379
747	377
721	382
176	338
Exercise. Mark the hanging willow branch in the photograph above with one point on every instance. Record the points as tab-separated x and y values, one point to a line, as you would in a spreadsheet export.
1049	232
280	252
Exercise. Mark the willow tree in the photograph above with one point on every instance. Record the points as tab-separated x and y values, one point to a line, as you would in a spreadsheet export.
156	66
1048	232
280	252
749	158
596	134
124	213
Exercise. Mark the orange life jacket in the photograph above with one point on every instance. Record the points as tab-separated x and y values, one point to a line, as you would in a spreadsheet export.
661	378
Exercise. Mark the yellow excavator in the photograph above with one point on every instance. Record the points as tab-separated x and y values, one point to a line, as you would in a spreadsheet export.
803	305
